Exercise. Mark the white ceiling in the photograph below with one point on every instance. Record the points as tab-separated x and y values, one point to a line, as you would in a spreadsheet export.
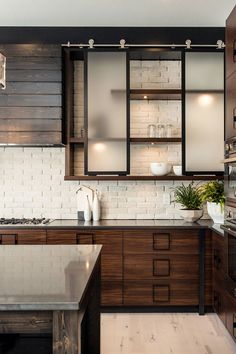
115	12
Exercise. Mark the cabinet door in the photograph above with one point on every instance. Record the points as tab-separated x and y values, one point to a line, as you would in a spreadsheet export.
230	119
111	266
230	38
219	300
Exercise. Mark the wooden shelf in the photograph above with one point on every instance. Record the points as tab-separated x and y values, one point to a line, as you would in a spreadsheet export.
155	94
143	178
76	140
155	140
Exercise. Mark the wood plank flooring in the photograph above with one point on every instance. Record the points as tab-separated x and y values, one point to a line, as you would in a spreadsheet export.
176	333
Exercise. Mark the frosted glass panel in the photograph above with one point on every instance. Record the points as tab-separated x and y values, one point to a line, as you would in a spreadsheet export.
107	112
204	71
204	132
204	112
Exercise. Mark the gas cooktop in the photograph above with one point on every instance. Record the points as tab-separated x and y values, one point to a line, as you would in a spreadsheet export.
24	221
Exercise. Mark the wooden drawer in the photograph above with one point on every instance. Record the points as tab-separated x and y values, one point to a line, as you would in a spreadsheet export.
111	293
23	237
111	266
218	254
146	266
172	242
218	300
110	240
61	237
161	292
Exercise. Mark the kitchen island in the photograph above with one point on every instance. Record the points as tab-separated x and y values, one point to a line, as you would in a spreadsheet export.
51	290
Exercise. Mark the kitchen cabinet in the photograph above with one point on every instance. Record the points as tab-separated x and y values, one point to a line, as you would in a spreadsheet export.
31	107
153	267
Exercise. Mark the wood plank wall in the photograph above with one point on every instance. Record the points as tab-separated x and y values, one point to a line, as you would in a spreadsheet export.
31	105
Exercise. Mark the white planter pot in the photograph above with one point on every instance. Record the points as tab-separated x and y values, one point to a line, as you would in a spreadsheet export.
215	212
191	215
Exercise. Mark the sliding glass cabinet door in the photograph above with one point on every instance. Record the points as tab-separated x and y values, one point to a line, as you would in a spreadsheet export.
203	125
107	112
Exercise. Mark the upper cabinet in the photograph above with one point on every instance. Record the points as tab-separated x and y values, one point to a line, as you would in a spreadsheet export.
230	85
204	112
126	108
30	106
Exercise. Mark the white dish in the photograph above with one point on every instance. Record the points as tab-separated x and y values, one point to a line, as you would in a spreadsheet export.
160	168
177	170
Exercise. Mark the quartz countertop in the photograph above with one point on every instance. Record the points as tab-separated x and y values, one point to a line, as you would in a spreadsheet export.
129	224
120	224
45	277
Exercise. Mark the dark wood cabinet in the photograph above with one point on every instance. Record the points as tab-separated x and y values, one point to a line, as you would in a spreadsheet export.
31	107
138	267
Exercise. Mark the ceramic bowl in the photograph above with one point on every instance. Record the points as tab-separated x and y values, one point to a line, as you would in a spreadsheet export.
177	170
160	168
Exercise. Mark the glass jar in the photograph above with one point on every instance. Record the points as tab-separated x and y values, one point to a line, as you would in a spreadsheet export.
169	130
151	131
161	133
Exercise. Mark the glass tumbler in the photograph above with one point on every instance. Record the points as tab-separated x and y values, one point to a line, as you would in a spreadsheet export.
169	130
151	131
161	131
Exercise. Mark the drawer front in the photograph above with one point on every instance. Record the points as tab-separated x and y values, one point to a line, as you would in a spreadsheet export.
61	237
23	237
173	242
10	239
111	293
179	293
111	266
218	254
146	266
112	241
31	237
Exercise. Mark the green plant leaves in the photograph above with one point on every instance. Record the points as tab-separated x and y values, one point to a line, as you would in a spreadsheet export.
188	196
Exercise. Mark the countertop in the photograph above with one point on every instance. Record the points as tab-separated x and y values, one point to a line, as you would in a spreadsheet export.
121	224
45	277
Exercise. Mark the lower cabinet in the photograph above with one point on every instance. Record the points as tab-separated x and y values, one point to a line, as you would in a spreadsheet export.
161	268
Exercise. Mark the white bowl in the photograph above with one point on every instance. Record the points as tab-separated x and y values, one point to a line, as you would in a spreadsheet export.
160	168
177	170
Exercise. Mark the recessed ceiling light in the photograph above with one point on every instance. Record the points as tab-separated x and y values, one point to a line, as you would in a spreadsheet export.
145	97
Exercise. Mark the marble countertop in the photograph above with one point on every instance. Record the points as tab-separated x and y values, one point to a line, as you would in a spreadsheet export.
45	277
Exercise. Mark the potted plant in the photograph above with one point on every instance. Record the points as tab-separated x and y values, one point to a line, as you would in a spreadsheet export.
213	194
190	199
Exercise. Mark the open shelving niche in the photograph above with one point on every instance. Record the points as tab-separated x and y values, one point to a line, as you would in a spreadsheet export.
75	143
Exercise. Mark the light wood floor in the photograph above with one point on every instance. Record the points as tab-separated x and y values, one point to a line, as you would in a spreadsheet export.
177	333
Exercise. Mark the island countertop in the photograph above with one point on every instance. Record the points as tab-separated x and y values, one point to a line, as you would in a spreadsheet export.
45	277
